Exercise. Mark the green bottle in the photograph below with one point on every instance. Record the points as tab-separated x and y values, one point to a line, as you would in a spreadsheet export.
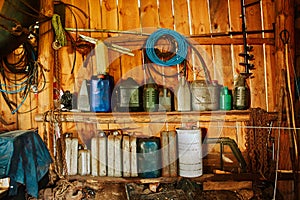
225	99
150	96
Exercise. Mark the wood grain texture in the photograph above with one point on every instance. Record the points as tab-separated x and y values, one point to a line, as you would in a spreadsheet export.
109	17
46	59
129	16
199	17
219	16
181	17
95	18
149	14
166	18
222	65
271	85
257	82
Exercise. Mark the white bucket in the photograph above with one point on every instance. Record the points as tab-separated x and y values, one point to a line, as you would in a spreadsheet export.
189	152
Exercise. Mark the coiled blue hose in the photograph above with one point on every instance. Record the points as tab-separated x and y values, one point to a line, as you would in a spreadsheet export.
181	51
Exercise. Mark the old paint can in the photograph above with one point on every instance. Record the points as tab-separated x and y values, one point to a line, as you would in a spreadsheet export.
205	96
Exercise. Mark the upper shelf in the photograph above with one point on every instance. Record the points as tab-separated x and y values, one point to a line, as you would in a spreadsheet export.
153	117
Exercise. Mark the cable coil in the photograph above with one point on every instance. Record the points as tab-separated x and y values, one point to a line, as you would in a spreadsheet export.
181	49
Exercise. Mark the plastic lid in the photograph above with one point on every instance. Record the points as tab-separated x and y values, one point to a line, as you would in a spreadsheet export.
68	135
225	89
115	133
101	134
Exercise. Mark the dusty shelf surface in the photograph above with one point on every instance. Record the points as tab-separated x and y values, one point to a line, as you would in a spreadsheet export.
152	117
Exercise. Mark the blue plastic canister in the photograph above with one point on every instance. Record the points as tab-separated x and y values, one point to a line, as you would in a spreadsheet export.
149	157
100	93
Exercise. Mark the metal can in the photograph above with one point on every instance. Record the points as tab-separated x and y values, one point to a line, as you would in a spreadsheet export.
204	96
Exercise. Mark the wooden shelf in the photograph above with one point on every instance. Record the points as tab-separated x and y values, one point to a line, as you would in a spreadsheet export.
154	117
203	178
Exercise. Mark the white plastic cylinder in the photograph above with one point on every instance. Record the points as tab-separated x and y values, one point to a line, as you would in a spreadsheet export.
84	162
102	168
98	155
183	96
190	152
126	156
133	157
118	156
94	156
111	155
71	154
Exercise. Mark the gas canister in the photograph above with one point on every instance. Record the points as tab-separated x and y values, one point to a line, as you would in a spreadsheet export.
100	93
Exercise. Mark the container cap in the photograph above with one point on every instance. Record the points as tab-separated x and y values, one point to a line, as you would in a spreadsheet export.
68	135
115	133
101	134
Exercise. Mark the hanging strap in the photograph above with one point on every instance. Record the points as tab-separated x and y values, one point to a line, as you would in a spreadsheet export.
60	36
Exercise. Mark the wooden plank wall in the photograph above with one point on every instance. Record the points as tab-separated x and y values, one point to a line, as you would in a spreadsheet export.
189	19
195	19
198	20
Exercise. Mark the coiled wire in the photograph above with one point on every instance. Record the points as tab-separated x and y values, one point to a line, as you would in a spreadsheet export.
181	48
178	53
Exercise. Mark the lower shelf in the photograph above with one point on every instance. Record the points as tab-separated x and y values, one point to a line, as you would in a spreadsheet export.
203	178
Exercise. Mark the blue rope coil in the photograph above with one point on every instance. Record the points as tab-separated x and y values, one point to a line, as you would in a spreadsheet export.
181	50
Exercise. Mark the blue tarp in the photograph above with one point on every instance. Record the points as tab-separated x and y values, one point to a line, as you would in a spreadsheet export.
24	158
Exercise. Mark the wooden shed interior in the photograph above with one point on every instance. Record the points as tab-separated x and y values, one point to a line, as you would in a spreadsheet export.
50	49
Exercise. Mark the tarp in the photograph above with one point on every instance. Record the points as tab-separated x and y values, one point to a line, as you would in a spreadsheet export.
24	158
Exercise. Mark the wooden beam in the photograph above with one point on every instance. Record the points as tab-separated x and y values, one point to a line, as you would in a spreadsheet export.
46	59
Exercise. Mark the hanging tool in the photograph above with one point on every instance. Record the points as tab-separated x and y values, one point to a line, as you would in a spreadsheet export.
285	38
111	46
279	121
247	57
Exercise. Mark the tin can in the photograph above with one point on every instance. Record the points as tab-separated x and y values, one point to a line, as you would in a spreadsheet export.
204	96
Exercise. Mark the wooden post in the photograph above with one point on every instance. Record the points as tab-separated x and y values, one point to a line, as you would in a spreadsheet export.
284	21
46	59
